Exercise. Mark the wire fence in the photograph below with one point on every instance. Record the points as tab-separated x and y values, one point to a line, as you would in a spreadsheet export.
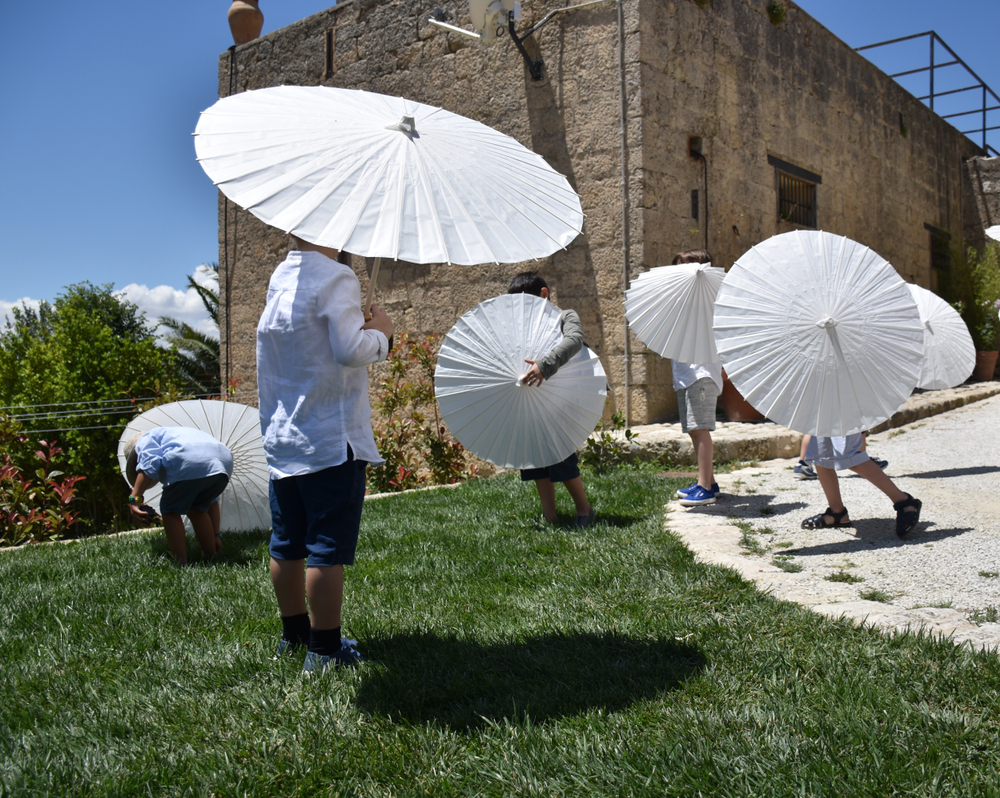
74	416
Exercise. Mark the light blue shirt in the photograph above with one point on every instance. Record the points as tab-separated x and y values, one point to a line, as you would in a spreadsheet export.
175	454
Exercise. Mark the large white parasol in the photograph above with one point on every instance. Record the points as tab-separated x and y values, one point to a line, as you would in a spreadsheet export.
671	308
994	232
949	354
244	504
385	177
819	333
477	385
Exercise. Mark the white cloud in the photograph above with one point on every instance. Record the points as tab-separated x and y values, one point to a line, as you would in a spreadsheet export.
5	308
184	305
155	302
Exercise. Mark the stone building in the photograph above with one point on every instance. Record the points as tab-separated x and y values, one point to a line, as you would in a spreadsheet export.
737	125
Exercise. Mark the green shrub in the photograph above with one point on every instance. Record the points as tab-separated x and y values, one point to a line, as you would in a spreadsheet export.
610	446
417	449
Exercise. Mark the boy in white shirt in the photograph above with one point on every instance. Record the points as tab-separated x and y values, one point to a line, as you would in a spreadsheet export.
698	386
313	345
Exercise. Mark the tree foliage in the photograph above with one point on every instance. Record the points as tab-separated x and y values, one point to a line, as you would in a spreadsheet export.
89	346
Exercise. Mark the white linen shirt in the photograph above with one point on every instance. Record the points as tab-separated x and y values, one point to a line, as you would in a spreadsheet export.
687	374
311	378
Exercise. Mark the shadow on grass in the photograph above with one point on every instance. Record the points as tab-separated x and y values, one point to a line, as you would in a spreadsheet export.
238	548
464	685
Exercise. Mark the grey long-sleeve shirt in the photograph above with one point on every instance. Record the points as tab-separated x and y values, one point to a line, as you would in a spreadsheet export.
571	343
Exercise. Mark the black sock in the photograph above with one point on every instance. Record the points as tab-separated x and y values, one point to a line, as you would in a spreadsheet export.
324	642
295	629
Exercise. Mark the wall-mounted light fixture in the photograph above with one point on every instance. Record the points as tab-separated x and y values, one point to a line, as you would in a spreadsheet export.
490	17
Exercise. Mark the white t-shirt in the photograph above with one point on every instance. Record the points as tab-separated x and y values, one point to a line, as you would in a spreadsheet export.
687	374
311	377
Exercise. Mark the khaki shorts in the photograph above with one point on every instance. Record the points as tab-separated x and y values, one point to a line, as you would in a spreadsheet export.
696	404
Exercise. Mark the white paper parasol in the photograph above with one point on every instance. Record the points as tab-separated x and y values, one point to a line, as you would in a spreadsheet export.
819	333
477	385
670	308
994	232
244	504
385	177
949	354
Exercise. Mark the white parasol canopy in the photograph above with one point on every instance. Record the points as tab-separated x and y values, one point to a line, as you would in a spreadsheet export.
994	232
949	354
671	308
477	385
819	333
244	503
385	177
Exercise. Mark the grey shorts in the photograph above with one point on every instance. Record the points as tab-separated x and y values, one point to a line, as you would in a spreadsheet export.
837	453
192	494
696	404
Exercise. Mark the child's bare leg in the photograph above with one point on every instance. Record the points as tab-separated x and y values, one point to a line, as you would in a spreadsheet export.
215	514
325	588
289	580
804	447
173	527
704	452
547	496
578	494
880	480
830	483
204	531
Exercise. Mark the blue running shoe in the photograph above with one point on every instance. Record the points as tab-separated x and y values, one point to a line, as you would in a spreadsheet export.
879	462
698	496
804	470
685	491
347	657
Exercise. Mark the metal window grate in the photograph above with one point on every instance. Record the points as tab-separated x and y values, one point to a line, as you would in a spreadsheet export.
796	200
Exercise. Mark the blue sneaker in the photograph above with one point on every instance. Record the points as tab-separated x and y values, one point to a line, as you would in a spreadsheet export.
347	657
804	470
284	647
683	492
698	496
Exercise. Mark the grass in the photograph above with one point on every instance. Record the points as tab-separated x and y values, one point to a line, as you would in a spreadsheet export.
518	659
874	594
844	576
987	615
786	564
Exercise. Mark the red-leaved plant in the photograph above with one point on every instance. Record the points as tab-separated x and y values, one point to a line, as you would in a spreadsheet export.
34	507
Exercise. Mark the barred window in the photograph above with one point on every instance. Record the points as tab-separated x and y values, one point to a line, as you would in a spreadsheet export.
940	248
796	193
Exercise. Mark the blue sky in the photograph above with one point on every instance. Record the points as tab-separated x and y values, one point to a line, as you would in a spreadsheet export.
99	100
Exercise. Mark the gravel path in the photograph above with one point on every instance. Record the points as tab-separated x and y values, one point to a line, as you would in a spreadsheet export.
944	576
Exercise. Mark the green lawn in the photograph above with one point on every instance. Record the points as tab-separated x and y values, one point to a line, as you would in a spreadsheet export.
518	658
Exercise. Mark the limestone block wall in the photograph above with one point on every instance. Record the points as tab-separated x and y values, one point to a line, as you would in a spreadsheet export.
983	197
714	69
571	118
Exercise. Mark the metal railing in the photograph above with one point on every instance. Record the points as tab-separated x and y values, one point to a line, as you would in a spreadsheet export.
982	109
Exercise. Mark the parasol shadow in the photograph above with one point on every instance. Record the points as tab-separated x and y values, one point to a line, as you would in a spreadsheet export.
467	684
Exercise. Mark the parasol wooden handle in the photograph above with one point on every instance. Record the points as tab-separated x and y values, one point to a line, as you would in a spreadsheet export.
367	307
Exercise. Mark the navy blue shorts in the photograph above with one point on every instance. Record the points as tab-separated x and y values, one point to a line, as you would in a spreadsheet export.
317	517
192	494
560	472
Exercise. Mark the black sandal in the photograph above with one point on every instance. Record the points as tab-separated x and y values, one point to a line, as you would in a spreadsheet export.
907	518
819	521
